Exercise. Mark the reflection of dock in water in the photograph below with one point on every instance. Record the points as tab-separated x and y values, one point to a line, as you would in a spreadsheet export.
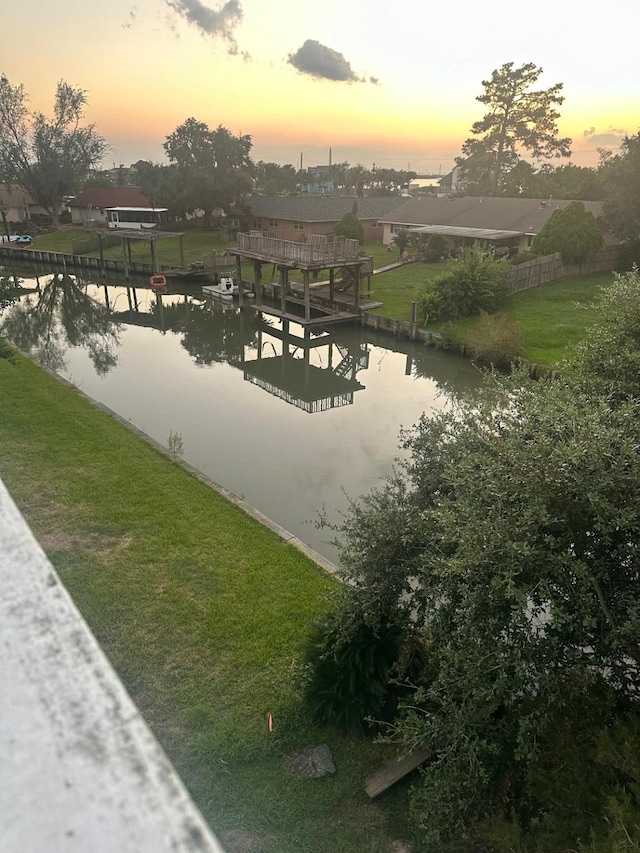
292	377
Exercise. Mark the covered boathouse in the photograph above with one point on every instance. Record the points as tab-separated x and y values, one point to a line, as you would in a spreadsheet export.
332	269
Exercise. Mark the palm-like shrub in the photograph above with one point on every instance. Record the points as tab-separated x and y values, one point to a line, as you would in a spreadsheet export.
350	679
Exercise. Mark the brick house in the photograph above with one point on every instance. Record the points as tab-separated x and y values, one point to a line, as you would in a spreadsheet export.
296	217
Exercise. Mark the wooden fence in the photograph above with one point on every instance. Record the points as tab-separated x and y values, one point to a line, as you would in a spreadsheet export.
550	267
84	263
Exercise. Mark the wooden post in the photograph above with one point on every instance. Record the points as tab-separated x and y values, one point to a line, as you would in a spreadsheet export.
283	275
124	256
257	280
307	295
332	285
356	287
414	320
155	265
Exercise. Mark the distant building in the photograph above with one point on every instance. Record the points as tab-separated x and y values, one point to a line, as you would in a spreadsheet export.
450	183
319	180
297	217
19	206
115	207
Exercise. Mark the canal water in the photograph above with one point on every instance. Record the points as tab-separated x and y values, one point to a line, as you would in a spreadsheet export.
295	423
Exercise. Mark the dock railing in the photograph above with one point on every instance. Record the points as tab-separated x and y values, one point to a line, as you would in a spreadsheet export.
317	250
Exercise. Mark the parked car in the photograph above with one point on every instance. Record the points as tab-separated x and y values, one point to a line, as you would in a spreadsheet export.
23	239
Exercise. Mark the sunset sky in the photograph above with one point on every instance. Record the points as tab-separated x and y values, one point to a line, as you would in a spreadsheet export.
377	82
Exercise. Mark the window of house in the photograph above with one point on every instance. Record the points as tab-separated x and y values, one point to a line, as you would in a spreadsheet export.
273	223
299	226
529	240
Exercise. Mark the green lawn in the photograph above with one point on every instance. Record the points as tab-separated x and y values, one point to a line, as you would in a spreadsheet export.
201	610
196	244
397	288
552	317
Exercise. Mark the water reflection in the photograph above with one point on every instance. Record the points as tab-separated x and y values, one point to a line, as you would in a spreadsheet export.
312	371
293	421
60	314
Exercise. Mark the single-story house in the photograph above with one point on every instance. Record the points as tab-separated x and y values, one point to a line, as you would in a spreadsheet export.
508	222
116	207
19	206
296	217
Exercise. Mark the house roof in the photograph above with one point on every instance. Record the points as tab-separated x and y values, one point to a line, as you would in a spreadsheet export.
519	215
319	208
474	233
12	194
110	197
139	209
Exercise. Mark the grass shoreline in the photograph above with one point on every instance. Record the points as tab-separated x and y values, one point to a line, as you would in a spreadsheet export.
201	609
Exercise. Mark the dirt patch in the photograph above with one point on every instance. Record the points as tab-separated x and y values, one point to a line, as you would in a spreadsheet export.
241	841
96	543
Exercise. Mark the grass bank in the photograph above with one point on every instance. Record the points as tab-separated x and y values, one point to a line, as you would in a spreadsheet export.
201	610
553	317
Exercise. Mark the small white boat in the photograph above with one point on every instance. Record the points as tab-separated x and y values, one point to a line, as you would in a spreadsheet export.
224	289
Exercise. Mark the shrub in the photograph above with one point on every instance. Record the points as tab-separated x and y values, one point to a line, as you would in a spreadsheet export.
349	678
401	240
436	248
629	255
8	291
350	227
522	258
6	351
475	282
494	339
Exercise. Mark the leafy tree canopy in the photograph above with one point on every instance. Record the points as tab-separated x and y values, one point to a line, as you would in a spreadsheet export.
519	118
273	179
572	231
49	157
620	175
561	182
214	165
504	549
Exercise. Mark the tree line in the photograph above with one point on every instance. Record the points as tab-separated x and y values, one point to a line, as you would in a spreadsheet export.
509	153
